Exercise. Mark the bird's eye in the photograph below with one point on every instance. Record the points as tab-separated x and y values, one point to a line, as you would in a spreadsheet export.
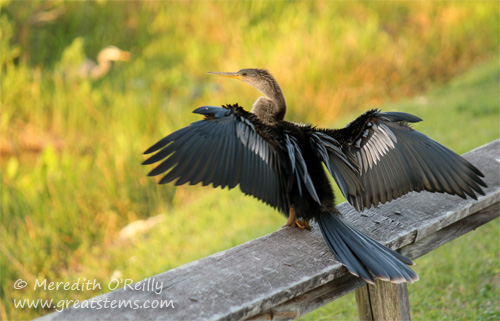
244	74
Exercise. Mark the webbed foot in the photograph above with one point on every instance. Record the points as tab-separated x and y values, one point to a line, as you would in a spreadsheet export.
294	222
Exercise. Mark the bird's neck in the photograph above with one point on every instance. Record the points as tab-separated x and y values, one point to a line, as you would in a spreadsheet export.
101	69
270	108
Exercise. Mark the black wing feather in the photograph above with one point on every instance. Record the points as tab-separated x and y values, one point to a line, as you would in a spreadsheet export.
227	148
379	157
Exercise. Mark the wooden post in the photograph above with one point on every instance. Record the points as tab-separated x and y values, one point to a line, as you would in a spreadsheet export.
384	301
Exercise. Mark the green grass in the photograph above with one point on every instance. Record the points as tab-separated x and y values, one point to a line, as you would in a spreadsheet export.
71	148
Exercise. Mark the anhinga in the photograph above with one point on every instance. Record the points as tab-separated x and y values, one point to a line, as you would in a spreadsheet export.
375	159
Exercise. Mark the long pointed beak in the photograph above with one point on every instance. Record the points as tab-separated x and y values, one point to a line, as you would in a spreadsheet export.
125	56
225	74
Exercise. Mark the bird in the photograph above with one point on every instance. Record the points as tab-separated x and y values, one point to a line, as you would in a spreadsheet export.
107	55
376	158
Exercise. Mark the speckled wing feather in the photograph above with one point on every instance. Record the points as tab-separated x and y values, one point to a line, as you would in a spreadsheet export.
225	149
383	158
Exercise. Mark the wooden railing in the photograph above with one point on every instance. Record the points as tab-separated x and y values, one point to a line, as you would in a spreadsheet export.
291	272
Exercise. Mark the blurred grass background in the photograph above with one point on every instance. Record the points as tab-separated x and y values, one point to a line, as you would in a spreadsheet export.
71	147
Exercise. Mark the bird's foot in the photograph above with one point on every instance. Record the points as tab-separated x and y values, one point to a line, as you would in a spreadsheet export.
294	222
303	224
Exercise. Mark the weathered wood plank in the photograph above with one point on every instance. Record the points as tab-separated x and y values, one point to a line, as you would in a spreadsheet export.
451	232
312	300
258	276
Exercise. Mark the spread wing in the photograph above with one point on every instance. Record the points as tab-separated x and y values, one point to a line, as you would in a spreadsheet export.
379	157
227	148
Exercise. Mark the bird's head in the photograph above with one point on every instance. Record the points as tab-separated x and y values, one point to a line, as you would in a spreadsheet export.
260	79
112	53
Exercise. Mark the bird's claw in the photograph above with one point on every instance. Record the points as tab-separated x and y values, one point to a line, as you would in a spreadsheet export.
302	224
293	222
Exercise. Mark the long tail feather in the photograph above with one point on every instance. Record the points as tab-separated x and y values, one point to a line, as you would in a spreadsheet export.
363	256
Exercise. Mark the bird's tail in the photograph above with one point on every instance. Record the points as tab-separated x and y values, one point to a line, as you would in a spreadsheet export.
363	256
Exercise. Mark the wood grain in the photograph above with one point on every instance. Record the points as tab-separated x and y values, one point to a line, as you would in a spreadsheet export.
384	301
